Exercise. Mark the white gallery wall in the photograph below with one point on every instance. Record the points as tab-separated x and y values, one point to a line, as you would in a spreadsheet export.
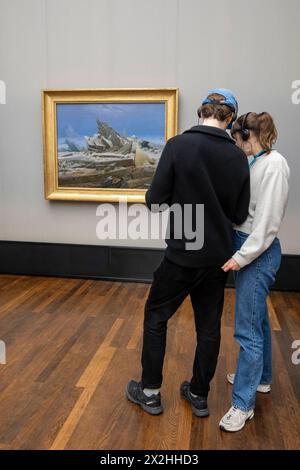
250	47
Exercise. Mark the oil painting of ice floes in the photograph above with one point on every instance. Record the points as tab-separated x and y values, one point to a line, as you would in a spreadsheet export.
109	145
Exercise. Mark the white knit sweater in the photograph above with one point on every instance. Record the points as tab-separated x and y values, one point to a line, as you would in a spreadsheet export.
269	179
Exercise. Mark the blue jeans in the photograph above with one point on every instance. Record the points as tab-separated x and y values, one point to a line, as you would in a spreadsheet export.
252	327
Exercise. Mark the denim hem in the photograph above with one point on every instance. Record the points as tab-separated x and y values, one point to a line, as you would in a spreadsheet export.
242	408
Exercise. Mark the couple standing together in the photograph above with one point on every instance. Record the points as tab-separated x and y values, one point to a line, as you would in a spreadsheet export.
243	184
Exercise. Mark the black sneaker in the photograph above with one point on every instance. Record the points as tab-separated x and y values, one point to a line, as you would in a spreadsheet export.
151	405
199	404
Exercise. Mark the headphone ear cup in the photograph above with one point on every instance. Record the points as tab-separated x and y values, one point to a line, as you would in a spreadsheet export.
244	131
199	112
245	134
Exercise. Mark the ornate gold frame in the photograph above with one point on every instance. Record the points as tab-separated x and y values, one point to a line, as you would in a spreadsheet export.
49	100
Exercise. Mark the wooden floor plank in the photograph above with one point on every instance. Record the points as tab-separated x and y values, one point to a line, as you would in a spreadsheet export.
272	315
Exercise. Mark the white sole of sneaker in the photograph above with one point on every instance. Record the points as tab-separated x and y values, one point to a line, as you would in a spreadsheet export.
223	426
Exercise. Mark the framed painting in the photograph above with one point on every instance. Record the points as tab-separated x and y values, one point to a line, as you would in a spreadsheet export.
104	144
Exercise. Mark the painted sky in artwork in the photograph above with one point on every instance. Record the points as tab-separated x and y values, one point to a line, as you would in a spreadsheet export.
143	120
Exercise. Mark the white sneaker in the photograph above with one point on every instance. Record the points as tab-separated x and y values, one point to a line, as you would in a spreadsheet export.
235	419
262	388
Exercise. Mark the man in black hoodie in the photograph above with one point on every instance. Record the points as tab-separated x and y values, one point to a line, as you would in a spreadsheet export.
200	168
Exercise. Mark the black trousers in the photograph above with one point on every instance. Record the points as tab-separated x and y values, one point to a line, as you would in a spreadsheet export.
171	285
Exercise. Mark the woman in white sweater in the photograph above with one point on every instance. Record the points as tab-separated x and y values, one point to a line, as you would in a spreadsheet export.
255	262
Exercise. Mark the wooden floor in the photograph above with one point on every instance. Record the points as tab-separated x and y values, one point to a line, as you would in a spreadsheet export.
72	345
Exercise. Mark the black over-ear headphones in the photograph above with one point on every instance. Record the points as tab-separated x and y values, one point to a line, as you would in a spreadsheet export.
245	133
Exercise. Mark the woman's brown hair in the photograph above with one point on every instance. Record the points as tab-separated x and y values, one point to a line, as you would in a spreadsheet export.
217	111
262	125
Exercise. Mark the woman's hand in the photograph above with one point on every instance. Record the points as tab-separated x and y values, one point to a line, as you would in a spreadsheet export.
231	264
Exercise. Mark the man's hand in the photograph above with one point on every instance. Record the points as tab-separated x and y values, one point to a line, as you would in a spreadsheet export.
231	264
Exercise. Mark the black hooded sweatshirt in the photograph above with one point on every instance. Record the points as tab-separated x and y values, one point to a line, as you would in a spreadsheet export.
202	166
